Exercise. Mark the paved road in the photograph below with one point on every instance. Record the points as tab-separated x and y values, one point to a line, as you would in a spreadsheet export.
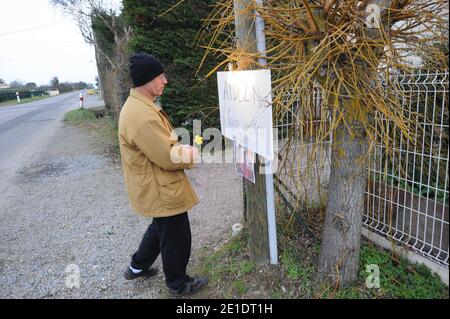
25	128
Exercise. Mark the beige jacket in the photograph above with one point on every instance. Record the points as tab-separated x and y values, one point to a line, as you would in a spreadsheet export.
157	187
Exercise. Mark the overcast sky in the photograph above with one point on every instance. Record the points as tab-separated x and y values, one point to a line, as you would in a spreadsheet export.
54	47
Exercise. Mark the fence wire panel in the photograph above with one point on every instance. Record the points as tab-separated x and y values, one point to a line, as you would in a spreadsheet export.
304	163
407	190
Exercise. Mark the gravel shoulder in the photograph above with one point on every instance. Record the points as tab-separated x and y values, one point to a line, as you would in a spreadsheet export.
67	213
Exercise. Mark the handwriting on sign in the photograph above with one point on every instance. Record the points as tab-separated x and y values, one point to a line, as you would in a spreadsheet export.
232	121
246	93
246	109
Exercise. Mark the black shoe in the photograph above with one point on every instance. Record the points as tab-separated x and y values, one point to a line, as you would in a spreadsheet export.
191	286
130	275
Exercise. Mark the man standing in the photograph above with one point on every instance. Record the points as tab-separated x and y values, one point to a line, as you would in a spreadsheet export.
156	183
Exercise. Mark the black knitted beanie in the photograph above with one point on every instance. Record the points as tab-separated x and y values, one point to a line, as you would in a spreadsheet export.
144	67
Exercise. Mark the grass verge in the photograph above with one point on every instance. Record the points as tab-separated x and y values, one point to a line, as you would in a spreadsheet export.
79	116
233	275
104	128
23	101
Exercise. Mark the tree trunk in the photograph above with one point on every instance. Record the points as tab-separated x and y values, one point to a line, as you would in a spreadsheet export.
341	240
339	255
123	76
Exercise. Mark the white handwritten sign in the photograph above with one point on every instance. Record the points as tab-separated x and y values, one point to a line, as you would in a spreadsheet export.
245	101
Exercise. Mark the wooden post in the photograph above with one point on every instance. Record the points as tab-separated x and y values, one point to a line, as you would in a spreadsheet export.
255	198
257	217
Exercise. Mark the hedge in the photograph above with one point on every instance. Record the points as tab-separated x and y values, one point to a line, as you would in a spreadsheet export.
172	38
7	95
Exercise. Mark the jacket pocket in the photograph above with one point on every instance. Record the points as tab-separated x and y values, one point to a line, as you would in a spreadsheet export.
171	189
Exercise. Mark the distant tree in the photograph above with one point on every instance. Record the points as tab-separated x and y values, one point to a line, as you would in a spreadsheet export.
30	86
79	85
16	84
97	82
54	83
2	82
65	87
44	88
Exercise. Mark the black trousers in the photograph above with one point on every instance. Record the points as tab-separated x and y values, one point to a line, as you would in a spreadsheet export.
170	236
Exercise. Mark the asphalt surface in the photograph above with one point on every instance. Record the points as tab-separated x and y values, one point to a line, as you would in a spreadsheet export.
24	128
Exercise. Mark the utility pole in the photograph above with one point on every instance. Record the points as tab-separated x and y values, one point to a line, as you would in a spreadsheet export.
258	197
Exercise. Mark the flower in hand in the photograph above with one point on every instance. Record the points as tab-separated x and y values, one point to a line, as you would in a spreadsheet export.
198	140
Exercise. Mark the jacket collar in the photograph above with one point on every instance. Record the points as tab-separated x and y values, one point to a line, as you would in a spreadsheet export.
146	100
